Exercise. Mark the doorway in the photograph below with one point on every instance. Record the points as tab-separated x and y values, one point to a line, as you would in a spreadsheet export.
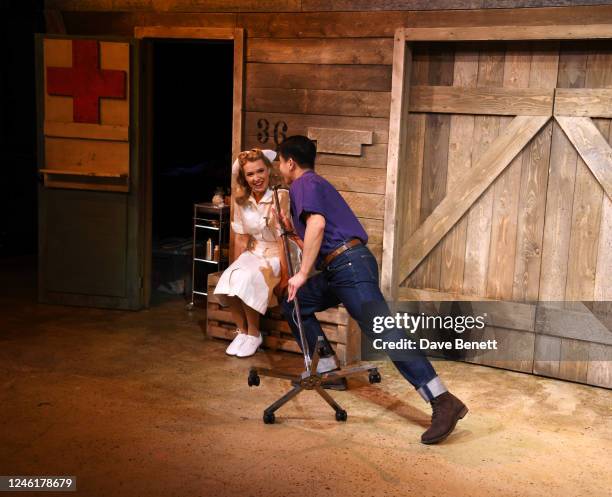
190	146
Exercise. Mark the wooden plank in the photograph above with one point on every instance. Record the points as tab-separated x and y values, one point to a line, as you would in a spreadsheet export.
87	131
321	51
486	129
514	32
92	183
599	371
592	147
101	23
512	315
377	252
81	173
560	194
237	96
412	176
435	161
515	349
116	111
212	298
353	342
367	205
547	355
280	327
275	343
407	294
506	189
213	278
181	5
383	23
459	162
336	333
533	185
374	5
494	160
374	229
410	180
401	76
340	141
583	102
603	271
189	32
328	24
88	155
336	315
264	125
219	315
322	102
269	341
574	360
328	77
586	218
224	5
505	101
373	156
558	218
588	194
574	324
353	179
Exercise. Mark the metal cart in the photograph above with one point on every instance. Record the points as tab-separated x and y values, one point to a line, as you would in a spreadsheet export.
209	222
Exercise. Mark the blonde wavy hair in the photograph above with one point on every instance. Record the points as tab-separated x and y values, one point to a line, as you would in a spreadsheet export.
242	190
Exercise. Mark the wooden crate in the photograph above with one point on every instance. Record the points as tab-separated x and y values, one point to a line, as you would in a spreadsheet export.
341	330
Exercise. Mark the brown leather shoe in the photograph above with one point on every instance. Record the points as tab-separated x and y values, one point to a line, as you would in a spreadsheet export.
447	410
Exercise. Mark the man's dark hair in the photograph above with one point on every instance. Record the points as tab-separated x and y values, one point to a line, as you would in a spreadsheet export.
299	148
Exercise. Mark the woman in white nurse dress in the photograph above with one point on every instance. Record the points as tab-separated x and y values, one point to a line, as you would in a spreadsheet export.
247	285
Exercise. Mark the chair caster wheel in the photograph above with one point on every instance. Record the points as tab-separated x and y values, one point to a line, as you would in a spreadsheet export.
253	380
268	418
374	377
341	415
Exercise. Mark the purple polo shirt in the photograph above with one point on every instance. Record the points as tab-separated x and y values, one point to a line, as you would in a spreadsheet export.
311	193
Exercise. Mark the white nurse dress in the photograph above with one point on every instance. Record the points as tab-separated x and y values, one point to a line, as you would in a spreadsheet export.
254	274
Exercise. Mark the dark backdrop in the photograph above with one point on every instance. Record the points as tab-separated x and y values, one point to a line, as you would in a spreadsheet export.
19	20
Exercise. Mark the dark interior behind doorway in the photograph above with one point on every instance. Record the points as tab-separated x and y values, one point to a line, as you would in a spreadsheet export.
192	145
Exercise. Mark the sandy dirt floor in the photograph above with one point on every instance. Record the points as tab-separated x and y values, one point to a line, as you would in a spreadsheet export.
142	404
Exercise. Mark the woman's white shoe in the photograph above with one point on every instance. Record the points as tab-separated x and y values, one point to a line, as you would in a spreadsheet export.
249	346
234	347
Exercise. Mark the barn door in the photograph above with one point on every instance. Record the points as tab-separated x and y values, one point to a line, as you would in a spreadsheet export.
90	232
510	172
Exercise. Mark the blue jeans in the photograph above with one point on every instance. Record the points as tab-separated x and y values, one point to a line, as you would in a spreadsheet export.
352	279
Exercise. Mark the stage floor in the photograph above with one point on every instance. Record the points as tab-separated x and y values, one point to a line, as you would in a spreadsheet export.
141	403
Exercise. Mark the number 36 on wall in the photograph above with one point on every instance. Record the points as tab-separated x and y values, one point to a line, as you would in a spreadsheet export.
279	132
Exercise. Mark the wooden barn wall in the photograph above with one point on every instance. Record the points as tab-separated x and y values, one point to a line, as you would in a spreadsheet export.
327	64
316	63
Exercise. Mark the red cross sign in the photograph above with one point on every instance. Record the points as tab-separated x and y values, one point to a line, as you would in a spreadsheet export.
85	82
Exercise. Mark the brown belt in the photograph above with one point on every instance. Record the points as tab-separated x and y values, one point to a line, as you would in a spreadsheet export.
342	248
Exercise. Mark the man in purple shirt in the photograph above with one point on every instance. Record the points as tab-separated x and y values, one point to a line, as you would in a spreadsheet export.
335	243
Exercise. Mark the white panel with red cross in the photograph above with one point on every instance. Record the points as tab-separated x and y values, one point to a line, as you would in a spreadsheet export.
87	110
